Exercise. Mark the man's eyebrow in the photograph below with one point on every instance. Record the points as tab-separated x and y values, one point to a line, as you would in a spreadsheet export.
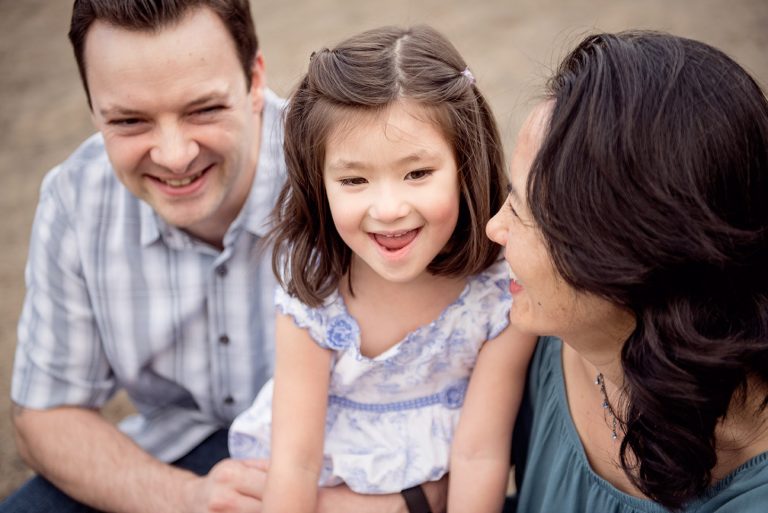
208	98
197	102
119	111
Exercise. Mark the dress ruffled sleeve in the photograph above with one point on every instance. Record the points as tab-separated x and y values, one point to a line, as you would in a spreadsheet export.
328	325
497	299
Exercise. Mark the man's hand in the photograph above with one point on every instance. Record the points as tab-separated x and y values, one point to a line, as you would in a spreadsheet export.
238	487
232	486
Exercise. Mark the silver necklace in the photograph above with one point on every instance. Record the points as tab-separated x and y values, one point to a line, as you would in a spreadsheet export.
600	381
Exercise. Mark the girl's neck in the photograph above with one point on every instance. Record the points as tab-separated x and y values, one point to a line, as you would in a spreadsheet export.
386	312
367	283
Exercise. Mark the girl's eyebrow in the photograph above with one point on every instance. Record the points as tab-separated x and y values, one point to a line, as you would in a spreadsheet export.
348	165
353	165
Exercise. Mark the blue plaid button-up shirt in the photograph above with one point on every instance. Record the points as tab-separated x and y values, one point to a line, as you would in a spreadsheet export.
118	299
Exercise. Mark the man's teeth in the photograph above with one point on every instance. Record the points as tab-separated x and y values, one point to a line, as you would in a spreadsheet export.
182	181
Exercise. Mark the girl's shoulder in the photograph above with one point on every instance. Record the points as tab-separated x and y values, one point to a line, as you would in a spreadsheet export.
329	324
485	301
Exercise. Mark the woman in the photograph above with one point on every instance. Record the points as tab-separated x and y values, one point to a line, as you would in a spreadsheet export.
636	231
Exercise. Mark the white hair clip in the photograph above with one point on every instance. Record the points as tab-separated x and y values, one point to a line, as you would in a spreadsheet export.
468	74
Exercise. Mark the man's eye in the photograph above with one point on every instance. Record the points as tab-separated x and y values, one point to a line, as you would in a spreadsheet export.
125	122
418	174
355	180
209	110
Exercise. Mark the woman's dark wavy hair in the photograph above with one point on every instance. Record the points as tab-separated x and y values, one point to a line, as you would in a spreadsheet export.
363	75
651	190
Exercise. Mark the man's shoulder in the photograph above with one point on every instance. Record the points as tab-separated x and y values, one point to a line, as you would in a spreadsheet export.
87	165
83	183
86	170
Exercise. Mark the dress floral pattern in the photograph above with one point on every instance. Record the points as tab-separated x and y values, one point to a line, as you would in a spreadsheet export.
391	418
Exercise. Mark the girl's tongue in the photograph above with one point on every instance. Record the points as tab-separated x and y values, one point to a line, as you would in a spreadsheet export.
395	242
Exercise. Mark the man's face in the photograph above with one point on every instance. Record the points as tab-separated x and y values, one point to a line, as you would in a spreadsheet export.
180	127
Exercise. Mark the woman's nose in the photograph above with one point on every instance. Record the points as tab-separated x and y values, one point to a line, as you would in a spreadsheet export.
495	230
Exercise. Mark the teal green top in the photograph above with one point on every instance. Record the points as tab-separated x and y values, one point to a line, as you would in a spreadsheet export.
554	475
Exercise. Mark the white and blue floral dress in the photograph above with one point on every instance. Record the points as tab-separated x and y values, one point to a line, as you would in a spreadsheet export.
391	418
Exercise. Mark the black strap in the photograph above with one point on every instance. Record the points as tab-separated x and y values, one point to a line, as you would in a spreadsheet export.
416	500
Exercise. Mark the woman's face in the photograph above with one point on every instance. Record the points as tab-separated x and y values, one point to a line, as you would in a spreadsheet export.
543	303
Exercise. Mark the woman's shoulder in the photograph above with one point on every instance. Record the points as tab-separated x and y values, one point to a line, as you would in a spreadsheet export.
745	490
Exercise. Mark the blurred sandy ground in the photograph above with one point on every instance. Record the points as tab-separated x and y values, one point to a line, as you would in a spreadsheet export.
510	46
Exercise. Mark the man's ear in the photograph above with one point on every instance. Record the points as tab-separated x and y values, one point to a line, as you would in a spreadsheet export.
258	82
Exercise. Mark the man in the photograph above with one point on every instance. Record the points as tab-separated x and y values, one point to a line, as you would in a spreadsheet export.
147	270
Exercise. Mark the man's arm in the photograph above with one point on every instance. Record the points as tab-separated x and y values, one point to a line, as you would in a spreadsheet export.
93	462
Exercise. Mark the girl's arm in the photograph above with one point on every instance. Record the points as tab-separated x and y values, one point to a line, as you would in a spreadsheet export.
481	446
302	373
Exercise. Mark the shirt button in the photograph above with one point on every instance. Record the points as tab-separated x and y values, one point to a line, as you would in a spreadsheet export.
221	270
229	400
224	340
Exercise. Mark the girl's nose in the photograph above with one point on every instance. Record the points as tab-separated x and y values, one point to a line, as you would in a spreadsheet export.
388	206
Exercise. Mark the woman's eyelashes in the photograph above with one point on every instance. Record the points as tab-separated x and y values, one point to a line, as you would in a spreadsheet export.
511	207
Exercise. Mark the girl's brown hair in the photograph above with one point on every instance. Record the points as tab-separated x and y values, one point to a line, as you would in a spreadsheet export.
366	74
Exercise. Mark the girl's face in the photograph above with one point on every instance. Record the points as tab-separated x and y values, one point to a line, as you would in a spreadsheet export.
543	303
393	189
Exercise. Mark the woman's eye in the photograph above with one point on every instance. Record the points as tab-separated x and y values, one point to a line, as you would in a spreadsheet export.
512	209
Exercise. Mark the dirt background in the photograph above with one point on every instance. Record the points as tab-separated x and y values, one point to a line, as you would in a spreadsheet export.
510	46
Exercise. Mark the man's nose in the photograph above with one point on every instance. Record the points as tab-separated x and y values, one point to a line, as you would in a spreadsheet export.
174	149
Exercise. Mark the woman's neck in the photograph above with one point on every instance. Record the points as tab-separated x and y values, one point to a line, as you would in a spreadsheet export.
599	345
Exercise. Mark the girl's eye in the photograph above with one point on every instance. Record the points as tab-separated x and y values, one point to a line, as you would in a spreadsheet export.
418	174
355	180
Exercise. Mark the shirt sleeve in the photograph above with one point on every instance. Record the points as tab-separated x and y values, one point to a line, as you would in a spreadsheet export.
59	357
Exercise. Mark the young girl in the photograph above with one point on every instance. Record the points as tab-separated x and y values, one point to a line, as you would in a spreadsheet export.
392	294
